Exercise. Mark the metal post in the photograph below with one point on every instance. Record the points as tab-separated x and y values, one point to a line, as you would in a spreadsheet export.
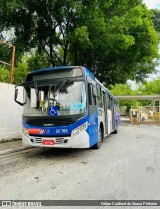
12	65
12	60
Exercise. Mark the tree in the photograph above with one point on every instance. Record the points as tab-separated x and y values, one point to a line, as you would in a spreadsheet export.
122	90
4	75
156	19
150	87
29	62
131	44
5	53
114	39
44	29
36	61
20	72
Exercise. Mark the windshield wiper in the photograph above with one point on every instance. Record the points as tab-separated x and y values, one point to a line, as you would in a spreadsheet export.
60	87
57	91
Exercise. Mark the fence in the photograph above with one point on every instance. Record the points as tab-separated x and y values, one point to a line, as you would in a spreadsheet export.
145	114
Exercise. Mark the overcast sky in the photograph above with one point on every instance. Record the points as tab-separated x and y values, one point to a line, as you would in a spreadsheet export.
152	4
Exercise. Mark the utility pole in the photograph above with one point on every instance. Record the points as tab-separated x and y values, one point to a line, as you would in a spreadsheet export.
12	64
12	60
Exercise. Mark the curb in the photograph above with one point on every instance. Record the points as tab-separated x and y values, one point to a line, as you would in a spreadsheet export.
8	151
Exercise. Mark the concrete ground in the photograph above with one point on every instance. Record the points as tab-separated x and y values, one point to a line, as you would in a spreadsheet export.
126	167
8	145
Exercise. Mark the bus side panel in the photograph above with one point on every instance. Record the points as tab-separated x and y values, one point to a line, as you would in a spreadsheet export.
109	116
93	125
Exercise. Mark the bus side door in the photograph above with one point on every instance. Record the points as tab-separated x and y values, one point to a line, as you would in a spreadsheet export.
93	114
105	112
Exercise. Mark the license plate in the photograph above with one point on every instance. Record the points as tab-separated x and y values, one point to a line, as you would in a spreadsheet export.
48	142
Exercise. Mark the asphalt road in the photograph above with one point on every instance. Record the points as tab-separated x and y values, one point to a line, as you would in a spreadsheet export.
126	167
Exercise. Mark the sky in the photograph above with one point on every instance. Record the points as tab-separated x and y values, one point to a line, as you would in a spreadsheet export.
152	4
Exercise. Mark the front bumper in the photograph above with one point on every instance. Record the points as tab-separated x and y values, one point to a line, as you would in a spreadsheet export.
80	141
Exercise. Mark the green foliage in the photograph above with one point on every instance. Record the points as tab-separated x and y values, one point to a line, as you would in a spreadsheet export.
148	88
5	53
4	75
81	37
115	39
37	61
122	90
31	61
156	19
20	72
151	87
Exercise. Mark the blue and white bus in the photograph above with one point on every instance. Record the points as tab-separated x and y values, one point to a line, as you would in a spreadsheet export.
66	107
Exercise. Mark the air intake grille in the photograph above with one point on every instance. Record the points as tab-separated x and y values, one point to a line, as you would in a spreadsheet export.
50	121
38	140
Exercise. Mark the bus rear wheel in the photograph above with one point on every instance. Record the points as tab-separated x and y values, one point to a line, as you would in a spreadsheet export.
116	130
98	144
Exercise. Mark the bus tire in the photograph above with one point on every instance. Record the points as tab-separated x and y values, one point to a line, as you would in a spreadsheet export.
116	130
98	144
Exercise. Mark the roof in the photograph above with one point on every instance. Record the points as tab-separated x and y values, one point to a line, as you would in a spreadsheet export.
53	68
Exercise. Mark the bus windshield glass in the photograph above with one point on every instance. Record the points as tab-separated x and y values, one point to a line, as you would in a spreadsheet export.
59	99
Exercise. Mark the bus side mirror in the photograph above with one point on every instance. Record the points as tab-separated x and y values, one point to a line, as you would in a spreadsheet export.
19	96
16	94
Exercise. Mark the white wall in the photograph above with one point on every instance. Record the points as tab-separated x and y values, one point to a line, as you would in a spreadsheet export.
10	113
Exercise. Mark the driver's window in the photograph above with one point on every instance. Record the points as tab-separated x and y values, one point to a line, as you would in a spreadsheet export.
92	98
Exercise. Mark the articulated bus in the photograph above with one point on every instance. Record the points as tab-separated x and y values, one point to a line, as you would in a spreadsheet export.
66	107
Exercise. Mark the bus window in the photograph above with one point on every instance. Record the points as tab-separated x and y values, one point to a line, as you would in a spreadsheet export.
92	98
118	110
99	96
108	102
116	106
112	104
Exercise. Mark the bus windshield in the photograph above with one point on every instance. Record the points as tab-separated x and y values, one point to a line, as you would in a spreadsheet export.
59	99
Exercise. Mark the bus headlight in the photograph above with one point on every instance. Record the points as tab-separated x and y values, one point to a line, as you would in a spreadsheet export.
83	127
25	131
79	129
75	131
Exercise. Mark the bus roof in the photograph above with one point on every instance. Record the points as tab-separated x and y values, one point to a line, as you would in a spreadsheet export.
53	68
